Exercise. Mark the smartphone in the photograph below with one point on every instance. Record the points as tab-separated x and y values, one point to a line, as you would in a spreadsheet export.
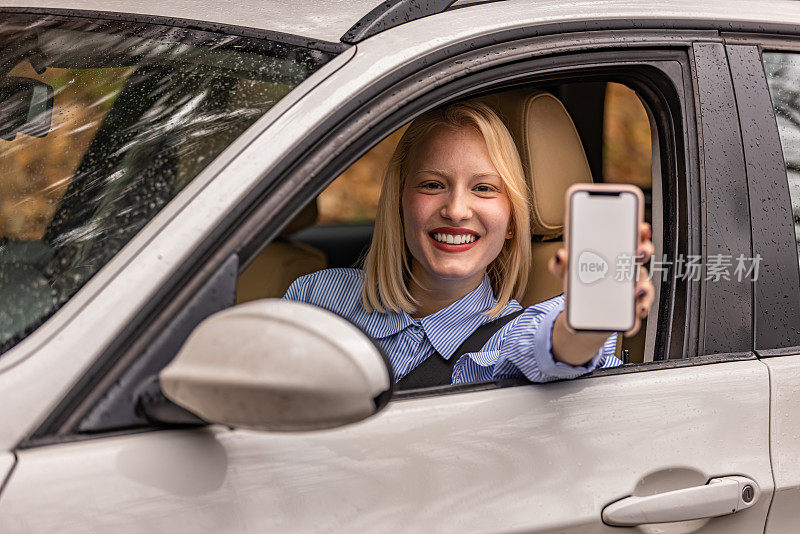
602	232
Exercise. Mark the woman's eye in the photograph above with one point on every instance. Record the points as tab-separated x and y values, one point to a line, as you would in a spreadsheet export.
484	188
430	185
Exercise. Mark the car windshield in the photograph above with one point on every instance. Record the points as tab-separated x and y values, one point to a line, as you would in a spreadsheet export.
101	124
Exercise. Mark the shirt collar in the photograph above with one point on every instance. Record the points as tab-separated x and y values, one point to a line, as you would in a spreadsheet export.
446	329
380	325
449	327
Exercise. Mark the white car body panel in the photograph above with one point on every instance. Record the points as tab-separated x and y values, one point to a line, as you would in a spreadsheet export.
33	386
329	20
539	458
784	515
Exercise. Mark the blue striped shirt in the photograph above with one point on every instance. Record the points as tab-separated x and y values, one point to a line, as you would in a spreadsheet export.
521	348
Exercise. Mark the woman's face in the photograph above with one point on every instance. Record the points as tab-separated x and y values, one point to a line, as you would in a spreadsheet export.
456	214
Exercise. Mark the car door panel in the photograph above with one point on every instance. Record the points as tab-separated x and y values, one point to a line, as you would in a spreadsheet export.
539	458
784	514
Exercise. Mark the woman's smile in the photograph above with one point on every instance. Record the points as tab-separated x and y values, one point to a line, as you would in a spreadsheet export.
454	239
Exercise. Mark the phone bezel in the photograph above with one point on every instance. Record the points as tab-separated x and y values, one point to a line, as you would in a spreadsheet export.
603	189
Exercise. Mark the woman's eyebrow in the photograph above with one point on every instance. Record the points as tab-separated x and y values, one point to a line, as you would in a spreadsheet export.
443	174
436	172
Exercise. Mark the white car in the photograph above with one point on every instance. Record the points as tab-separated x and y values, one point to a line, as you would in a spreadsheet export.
162	160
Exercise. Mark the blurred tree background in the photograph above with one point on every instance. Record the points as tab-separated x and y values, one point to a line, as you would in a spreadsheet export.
627	150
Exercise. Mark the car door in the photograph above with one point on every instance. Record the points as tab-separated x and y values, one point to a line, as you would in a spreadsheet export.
486	457
765	72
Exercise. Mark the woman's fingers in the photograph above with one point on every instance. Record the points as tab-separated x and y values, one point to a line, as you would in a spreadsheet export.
635	330
645	293
558	263
645	231
645	248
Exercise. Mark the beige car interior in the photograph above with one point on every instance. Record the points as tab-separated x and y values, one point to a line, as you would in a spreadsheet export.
554	159
282	262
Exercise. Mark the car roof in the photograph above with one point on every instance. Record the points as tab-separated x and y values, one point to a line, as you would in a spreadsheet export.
329	20
325	20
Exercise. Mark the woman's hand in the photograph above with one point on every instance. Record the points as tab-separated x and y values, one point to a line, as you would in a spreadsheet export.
644	291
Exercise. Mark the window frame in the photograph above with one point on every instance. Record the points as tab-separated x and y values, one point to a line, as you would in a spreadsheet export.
322	156
776	305
599	64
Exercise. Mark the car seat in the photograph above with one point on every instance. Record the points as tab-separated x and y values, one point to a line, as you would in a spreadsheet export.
281	262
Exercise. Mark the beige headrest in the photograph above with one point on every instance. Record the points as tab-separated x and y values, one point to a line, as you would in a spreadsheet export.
551	152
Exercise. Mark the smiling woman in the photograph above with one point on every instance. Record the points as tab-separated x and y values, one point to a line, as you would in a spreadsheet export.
455	171
450	253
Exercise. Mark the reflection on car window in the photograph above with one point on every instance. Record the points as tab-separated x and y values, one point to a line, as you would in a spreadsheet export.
137	112
783	77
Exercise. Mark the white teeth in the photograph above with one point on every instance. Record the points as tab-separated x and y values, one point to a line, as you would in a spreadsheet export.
451	239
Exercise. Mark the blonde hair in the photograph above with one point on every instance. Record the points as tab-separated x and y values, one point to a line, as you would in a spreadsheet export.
386	265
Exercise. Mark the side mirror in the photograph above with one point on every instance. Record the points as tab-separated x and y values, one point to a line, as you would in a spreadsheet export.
278	365
26	106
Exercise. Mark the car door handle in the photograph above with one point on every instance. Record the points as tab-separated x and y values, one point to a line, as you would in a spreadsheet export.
721	496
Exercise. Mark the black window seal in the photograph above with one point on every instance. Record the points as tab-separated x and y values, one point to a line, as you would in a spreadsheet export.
781	351
726	324
776	299
216	27
243	229
392	13
673	349
696	361
764	41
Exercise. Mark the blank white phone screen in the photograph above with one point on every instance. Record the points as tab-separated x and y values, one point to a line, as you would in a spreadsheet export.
602	242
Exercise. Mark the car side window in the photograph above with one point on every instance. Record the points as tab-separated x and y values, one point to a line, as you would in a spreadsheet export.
783	78
121	118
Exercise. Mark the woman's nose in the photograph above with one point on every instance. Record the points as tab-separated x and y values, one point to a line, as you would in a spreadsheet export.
456	207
